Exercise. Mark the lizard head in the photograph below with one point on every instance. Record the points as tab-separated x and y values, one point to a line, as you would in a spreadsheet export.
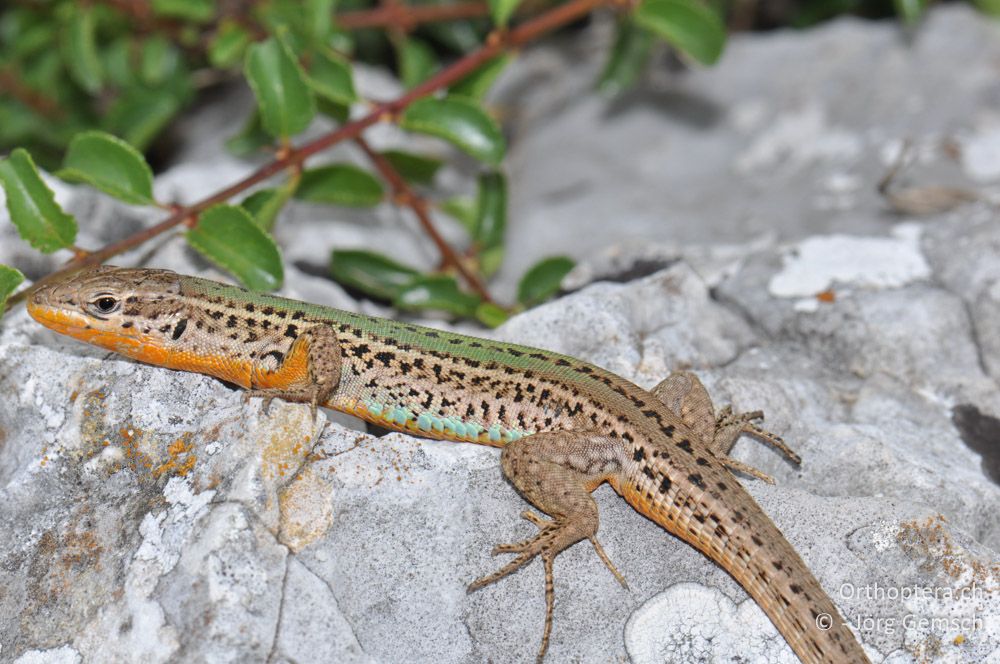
136	312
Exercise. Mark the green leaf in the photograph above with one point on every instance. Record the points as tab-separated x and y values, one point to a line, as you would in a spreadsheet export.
159	59
197	11
491	315
338	112
459	121
491	213
458	36
228	44
10	279
227	236
116	61
463	209
542	281
80	49
25	40
371	273
416	168
501	11
491	259
811	12
330	77
265	204
416	61
32	205
110	164
439	292
139	115
340	184
318	19
250	138
627	59
19	124
910	10
286	103
686	24
478	83
991	7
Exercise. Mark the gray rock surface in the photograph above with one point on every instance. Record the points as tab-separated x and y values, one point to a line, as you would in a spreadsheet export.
729	221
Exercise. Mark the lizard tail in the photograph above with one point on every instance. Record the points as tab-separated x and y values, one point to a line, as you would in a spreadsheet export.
731	529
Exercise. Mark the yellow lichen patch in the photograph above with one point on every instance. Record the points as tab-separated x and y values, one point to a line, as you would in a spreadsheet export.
306	510
180	461
132	439
285	446
117	445
81	549
931	540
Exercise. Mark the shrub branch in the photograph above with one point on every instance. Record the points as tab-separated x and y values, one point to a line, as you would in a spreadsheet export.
497	43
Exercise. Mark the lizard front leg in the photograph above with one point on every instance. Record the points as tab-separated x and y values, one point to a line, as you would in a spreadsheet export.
308	373
685	395
556	472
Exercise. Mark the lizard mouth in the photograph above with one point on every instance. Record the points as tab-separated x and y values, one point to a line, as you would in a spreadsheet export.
60	320
78	326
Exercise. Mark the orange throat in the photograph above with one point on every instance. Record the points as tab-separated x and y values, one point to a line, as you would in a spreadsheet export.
144	348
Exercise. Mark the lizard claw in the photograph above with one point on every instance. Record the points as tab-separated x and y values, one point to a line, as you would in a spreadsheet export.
266	395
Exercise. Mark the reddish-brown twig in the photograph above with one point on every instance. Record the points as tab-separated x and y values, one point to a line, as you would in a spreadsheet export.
33	99
403	194
406	18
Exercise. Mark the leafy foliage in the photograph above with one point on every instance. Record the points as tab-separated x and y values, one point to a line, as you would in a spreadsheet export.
95	85
32	205
10	279
286	102
110	164
459	121
542	281
340	184
229	237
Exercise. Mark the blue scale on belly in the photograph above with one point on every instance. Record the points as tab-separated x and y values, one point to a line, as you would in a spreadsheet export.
434	423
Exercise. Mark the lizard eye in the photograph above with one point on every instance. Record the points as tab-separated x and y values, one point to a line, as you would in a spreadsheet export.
104	304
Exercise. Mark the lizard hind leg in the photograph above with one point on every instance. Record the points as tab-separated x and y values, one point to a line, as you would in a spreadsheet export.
556	473
308	373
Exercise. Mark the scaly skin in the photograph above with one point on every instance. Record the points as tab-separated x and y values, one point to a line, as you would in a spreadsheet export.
565	426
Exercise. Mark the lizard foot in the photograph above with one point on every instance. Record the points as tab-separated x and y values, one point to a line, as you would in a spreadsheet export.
737	423
541	467
686	396
554	535
309	396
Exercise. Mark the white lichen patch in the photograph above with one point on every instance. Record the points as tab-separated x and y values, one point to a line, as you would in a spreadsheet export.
63	655
692	623
817	263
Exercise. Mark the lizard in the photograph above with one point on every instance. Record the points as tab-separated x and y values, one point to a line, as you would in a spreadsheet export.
565	426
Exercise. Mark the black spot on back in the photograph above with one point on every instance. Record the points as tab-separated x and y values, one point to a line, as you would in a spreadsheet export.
179	329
